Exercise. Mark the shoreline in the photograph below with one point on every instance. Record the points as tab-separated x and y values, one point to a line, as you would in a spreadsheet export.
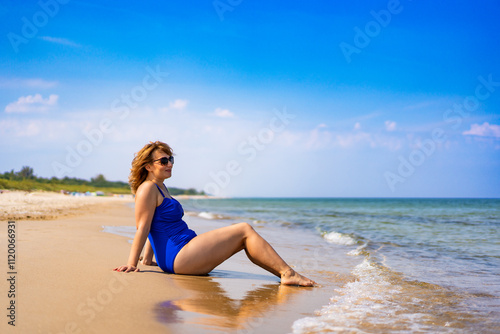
65	283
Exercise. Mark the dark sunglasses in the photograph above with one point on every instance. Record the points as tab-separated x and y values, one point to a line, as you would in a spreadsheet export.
164	161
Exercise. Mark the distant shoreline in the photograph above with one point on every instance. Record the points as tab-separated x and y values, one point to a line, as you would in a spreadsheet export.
20	204
197	197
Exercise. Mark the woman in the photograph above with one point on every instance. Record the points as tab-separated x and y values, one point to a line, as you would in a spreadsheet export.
177	248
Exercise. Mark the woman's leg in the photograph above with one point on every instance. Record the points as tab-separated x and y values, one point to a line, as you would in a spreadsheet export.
206	251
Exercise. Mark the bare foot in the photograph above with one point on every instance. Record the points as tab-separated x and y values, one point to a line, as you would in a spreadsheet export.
291	277
149	263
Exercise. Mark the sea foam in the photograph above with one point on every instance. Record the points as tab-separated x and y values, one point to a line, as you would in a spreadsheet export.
339	238
365	300
209	215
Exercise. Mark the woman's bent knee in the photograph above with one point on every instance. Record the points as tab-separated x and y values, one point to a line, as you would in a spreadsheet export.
246	228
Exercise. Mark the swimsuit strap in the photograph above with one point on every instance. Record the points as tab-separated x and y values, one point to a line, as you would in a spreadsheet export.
161	192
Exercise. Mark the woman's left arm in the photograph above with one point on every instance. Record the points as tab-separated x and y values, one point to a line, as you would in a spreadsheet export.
145	205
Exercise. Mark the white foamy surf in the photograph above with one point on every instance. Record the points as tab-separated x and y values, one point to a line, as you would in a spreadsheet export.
339	238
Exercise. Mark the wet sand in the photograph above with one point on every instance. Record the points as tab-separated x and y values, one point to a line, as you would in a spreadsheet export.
65	282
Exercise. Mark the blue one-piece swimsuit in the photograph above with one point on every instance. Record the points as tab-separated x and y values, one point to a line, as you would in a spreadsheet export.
168	233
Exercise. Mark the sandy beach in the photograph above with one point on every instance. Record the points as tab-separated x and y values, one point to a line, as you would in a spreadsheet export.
48	205
64	282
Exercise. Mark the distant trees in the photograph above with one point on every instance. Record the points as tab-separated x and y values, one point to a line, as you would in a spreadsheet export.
99	181
192	191
25	173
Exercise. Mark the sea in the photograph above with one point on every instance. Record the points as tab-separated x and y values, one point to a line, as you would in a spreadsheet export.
416	265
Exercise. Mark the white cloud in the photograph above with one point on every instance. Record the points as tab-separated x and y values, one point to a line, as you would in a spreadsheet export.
349	140
357	126
39	131
59	40
322	138
318	138
390	125
27	83
484	130
420	105
178	104
225	113
32	103
289	139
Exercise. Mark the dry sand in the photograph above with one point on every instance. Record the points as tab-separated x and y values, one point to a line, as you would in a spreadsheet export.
64	282
48	205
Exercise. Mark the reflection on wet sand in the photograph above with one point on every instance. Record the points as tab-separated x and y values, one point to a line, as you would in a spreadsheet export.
213	304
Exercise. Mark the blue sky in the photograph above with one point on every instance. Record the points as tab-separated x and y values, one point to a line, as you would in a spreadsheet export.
314	99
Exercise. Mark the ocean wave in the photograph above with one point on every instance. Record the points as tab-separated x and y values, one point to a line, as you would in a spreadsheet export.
207	215
360	250
211	215
384	300
365	300
340	238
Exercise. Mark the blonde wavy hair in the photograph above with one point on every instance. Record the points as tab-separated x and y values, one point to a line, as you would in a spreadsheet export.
138	172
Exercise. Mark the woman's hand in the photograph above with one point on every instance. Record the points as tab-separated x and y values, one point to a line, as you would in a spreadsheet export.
127	268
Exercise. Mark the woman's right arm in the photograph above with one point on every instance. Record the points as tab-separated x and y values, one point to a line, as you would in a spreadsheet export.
145	205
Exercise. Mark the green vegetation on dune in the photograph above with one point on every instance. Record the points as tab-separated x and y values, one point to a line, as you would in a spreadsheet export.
26	180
